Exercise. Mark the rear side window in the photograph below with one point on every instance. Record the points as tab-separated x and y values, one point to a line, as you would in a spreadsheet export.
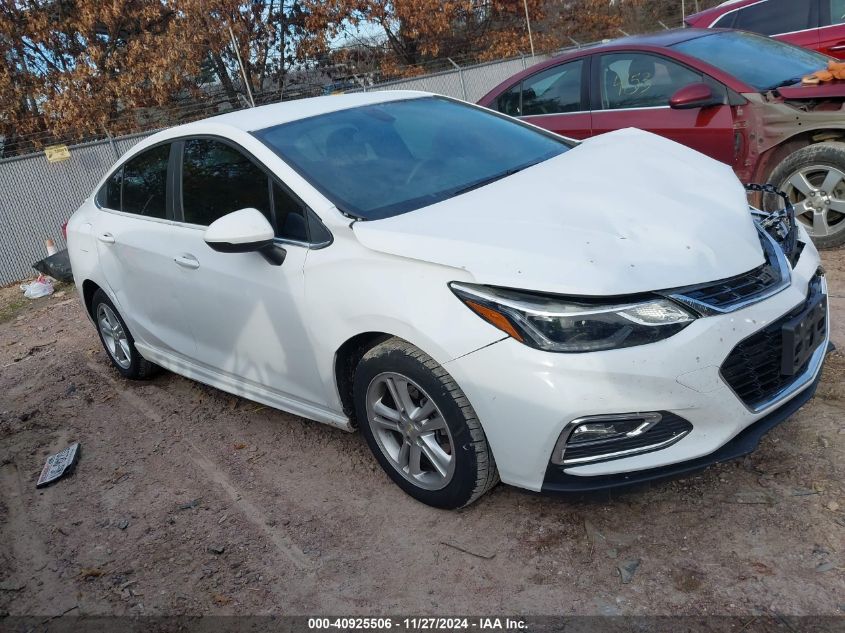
774	17
218	179
554	91
145	183
109	194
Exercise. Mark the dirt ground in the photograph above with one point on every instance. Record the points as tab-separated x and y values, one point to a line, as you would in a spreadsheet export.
187	500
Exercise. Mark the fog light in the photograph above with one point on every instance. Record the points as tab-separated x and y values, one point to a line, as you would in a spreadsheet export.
604	437
599	431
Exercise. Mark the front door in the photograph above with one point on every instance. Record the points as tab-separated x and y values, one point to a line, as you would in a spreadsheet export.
633	90
245	314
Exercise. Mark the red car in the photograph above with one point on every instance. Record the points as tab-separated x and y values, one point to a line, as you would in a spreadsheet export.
815	24
734	96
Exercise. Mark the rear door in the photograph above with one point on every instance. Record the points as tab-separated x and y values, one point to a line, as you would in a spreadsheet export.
832	32
555	99
632	89
135	241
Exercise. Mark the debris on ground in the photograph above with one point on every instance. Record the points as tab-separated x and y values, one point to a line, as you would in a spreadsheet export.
56	266
193	503
627	569
41	287
59	465
465	550
216	549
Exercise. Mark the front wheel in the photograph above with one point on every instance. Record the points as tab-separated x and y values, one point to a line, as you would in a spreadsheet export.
814	179
421	427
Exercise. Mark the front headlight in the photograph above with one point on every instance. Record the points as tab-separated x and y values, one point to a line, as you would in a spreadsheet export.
559	325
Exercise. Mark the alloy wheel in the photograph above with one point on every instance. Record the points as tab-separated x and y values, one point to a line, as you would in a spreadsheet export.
818	194
114	336
410	431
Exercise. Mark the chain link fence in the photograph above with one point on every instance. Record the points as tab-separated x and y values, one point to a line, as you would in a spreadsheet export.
39	196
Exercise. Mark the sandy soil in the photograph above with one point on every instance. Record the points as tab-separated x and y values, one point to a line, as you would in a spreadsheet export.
188	500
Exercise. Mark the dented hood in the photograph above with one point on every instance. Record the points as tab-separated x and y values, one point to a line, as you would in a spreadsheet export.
828	90
622	213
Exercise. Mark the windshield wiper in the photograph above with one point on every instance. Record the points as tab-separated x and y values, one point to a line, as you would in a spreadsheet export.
784	83
491	179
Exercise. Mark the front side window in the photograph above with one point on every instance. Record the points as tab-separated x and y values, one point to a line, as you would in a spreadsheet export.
775	63
637	80
553	91
774	17
385	159
217	179
145	183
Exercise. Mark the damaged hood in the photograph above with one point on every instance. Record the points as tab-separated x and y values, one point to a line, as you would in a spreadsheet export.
827	90
622	213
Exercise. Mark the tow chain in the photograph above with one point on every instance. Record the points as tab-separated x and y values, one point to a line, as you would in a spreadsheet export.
777	219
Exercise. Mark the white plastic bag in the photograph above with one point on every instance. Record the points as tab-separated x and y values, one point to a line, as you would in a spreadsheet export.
41	287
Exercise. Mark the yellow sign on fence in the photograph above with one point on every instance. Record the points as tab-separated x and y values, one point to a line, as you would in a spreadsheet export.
56	153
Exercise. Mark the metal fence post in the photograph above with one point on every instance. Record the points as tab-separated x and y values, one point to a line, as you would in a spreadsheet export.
460	76
113	146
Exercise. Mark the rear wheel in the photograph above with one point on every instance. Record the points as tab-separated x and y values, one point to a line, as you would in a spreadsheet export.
814	179
117	340
421	427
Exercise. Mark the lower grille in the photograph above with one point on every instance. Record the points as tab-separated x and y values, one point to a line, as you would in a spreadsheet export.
670	429
754	369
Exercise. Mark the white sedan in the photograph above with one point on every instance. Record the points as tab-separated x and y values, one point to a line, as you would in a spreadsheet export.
481	298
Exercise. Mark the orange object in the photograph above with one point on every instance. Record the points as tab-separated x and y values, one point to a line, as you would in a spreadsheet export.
835	70
495	318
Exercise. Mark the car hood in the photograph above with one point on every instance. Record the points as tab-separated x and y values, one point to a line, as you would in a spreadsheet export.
827	90
622	213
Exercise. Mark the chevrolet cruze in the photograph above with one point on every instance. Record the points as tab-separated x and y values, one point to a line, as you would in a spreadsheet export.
467	290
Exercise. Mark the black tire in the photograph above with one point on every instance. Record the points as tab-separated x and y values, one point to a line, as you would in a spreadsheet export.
474	467
821	155
138	367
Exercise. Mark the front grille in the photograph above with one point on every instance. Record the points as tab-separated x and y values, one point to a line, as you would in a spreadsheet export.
732	293
737	289
754	368
671	427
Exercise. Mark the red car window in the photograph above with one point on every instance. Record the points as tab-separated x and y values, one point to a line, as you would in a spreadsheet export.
638	80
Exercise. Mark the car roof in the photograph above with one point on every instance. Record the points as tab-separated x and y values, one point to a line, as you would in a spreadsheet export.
658	38
251	119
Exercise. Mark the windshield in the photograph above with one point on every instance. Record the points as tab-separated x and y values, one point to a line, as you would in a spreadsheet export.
390	158
758	61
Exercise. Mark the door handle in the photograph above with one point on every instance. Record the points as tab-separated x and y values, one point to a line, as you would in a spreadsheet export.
838	47
106	238
187	261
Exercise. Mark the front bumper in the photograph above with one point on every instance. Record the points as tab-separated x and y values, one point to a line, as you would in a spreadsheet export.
525	397
557	481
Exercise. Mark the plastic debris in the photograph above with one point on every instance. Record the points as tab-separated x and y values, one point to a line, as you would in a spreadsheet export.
41	287
57	266
59	465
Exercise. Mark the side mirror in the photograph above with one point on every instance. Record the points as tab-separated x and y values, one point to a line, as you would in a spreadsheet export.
697	95
244	231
